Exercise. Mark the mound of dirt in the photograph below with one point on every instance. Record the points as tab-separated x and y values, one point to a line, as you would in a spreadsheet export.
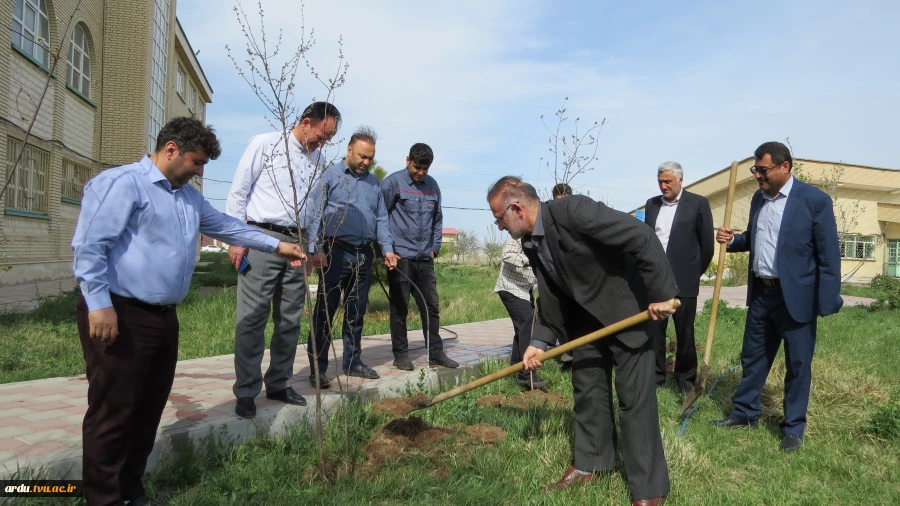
521	401
401	438
486	433
399	406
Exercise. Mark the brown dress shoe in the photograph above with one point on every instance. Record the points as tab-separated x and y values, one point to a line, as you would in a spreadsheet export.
570	478
656	501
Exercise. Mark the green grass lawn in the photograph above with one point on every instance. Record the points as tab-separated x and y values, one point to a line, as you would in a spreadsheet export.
845	458
45	343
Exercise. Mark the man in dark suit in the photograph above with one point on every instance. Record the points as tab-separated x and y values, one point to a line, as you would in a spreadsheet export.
683	223
594	267
795	275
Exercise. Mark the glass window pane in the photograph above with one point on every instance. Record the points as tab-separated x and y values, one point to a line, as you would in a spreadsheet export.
85	87
79	36
17	10
45	29
86	66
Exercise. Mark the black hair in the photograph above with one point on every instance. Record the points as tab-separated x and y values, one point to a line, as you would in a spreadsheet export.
421	155
562	190
190	135
317	112
777	151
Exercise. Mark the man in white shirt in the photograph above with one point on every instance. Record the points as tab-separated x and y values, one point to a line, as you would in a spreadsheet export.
263	195
683	223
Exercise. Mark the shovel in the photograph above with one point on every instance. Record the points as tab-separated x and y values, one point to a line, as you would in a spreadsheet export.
555	352
700	386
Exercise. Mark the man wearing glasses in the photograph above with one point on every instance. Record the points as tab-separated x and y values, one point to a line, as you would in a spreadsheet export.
596	266
795	265
413	201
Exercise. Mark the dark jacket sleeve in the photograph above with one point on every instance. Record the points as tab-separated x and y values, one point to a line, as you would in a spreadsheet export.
705	234
828	257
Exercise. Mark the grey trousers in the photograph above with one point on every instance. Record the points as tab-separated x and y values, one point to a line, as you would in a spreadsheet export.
595	426
269	285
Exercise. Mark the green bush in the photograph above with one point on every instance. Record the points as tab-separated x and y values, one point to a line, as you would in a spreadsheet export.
890	287
711	270
736	265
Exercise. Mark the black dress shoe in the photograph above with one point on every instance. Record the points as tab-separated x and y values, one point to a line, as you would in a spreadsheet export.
733	423
442	359
287	396
791	443
245	407
404	364
362	371
324	381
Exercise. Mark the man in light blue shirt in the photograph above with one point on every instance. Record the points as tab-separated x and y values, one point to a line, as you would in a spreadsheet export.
347	214
795	277
134	247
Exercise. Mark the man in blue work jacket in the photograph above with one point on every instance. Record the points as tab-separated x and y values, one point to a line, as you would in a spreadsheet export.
413	201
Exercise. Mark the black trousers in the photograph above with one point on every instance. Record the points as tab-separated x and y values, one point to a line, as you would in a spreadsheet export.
128	386
595	420
686	349
421	272
521	312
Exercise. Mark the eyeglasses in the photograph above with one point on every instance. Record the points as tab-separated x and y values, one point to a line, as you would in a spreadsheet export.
763	170
497	220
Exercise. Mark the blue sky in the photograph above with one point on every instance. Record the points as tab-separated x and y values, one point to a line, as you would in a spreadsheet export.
702	84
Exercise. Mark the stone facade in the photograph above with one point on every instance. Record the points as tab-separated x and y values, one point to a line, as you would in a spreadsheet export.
107	128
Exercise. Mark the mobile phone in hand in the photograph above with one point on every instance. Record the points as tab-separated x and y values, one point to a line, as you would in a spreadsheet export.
244	264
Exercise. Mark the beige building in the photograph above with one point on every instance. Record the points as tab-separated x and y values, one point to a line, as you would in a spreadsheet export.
867	209
124	69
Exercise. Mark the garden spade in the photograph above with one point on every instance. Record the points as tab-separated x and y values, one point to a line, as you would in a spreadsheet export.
700	386
555	352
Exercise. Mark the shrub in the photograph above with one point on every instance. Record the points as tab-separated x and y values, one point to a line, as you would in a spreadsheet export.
736	265
890	287
711	270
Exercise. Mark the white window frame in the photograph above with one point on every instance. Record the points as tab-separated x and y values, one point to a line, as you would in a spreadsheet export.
192	97
80	63
857	247
26	34
179	81
29	187
159	37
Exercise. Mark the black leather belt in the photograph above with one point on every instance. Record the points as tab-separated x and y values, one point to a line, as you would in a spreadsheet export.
280	229
334	240
769	281
158	308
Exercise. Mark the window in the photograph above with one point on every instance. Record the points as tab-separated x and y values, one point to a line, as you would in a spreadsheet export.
80	63
30	29
858	247
201	110
192	97
29	185
74	178
179	82
159	33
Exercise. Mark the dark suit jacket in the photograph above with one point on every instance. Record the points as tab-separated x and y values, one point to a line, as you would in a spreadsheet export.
808	255
613	265
691	241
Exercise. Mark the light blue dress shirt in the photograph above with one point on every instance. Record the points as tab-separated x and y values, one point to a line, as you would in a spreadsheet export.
768	226
137	236
348	208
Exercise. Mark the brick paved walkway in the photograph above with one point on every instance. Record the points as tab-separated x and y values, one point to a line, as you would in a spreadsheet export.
40	421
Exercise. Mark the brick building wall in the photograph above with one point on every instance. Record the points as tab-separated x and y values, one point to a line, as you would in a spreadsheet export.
83	134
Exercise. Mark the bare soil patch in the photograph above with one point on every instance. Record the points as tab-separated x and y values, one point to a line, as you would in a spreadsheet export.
521	401
399	406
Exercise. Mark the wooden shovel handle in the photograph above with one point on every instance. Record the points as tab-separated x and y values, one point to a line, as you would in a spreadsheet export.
555	352
720	267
